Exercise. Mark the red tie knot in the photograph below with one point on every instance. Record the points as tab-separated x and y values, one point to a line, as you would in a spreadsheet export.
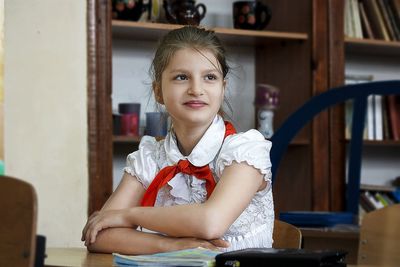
183	165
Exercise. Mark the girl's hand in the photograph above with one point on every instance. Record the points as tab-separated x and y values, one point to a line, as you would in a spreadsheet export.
179	243
100	220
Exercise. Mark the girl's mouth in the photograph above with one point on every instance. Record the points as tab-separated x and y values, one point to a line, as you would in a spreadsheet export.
195	104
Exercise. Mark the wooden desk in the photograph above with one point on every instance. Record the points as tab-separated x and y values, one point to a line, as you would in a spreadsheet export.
79	257
76	257
328	238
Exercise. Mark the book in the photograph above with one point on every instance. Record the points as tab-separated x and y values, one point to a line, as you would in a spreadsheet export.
371	117
394	115
376	20
377	204
355	79
386	20
366	203
356	19
392	19
348	25
394	5
187	257
378	114
366	25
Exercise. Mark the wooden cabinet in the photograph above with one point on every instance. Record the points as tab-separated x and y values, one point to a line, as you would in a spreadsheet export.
295	53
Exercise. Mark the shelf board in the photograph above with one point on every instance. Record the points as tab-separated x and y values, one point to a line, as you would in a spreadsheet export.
379	142
372	46
148	31
383	188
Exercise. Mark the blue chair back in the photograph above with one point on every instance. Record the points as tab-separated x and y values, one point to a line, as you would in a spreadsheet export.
295	122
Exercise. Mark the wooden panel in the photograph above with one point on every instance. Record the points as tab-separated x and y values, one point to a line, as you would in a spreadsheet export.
286	66
292	187
99	103
320	124
336	115
289	15
379	237
332	239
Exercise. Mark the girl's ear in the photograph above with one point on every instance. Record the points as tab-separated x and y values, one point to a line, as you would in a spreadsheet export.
158	93
224	85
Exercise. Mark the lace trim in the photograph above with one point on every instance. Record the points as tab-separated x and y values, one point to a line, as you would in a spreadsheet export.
267	174
130	171
252	239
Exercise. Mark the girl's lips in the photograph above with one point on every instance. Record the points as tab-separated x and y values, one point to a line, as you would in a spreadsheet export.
195	104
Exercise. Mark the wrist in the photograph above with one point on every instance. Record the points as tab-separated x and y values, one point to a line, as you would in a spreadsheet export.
130	216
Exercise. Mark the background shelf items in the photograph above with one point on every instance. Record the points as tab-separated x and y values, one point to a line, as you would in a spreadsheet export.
373	19
383	114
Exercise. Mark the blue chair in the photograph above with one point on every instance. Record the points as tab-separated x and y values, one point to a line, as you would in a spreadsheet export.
295	122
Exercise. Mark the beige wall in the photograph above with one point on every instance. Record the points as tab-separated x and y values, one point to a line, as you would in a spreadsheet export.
46	110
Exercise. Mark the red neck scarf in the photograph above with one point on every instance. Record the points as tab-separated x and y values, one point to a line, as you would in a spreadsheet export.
184	166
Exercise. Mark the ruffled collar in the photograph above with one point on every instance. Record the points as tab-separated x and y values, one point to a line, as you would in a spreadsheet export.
205	150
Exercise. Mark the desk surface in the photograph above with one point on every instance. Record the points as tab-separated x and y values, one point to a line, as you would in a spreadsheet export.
79	257
76	257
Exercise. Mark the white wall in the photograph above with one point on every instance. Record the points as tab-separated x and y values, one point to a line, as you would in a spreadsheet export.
132	83
46	111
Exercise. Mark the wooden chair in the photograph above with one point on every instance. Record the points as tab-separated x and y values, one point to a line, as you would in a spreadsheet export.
379	237
286	235
18	209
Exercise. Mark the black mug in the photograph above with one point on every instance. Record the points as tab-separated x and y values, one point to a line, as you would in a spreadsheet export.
250	15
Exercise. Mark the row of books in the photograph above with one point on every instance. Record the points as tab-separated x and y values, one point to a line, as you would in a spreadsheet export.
382	120
372	19
374	198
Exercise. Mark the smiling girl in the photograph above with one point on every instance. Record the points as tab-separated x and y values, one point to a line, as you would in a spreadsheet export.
204	185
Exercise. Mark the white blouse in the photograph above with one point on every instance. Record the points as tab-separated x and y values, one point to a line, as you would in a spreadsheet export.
253	228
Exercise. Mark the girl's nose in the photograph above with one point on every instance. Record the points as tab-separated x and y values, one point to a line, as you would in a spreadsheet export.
195	88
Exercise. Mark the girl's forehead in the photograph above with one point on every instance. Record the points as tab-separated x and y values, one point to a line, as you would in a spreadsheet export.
188	54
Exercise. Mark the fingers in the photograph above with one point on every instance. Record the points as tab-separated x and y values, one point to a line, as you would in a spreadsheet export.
91	229
220	243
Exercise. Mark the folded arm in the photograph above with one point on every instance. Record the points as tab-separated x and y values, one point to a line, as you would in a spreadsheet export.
209	220
121	235
206	221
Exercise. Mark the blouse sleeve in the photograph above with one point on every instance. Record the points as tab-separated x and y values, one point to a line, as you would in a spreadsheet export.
142	163
249	147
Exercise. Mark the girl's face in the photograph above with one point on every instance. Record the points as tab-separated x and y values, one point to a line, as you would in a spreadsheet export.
192	87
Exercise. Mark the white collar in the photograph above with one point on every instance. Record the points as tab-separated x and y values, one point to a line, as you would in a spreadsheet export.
205	150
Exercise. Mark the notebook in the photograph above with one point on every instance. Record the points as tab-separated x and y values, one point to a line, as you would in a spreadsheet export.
281	258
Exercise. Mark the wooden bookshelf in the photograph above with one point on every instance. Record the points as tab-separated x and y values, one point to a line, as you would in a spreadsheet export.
147	31
372	46
294	53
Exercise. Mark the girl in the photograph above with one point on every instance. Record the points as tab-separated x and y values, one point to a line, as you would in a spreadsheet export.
203	185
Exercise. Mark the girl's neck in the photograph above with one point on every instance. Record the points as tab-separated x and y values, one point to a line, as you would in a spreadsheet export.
188	137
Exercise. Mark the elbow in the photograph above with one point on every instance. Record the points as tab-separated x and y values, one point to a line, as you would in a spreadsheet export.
212	226
96	248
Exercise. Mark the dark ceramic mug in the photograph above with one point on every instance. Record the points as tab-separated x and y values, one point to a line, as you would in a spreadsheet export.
250	15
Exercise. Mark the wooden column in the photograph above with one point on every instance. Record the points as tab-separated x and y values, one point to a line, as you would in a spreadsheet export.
336	115
320	126
99	102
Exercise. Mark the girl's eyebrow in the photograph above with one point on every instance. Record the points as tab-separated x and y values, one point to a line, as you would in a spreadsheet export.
185	70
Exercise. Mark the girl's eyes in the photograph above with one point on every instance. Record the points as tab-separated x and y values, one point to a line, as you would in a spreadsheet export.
208	77
211	77
181	77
